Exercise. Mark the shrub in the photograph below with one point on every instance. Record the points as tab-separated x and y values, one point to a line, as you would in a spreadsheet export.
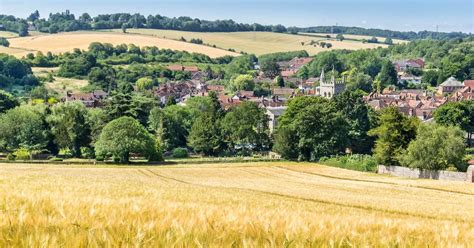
10	157
22	154
180	152
87	152
356	162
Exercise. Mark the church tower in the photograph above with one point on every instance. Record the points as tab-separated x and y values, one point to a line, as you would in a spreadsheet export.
331	88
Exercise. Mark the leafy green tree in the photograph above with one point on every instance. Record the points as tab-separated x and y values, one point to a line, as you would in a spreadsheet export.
279	81
69	126
243	82
269	67
7	101
357	114
24	127
394	132
459	114
144	84
430	78
387	75
96	119
388	41
320	130
124	136
171	125
436	147
358	81
245	127
4	42
104	78
286	143
240	65
340	37
205	135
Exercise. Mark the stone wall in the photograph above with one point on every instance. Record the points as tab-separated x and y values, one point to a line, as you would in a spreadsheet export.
427	174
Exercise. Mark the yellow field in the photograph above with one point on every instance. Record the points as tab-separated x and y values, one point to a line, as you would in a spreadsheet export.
6	34
63	42
254	42
358	37
222	205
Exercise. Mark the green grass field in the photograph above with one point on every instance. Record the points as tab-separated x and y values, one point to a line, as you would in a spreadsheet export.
263	204
254	42
7	34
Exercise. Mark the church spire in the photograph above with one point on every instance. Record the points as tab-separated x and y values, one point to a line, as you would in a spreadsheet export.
321	78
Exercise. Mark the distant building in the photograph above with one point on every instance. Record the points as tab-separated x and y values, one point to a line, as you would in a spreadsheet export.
273	114
91	100
406	64
331	88
449	86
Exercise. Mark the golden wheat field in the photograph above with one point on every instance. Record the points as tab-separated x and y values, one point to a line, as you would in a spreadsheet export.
255	42
63	42
271	204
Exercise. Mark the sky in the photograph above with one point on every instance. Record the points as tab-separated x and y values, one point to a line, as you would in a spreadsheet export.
401	15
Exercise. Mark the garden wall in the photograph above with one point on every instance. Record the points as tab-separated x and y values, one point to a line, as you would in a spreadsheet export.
427	174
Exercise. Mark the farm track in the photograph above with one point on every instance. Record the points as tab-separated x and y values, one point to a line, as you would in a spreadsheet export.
314	200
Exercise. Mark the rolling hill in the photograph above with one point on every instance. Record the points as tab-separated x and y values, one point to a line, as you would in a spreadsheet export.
255	42
63	42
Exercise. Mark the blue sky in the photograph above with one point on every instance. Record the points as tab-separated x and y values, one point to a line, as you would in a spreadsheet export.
403	15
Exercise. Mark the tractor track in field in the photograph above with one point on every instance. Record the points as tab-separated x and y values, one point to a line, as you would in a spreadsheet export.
368	208
370	181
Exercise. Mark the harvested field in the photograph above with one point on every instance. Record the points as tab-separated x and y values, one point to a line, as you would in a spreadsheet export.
63	42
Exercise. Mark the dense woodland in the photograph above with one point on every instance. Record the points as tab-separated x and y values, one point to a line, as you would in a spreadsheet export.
66	22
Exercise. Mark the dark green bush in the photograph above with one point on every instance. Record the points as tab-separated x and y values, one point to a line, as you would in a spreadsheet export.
180	152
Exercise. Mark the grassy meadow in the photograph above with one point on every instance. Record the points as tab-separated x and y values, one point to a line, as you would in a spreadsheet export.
254	42
60	85
63	42
270	204
7	34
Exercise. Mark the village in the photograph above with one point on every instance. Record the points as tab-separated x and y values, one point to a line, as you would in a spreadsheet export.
420	103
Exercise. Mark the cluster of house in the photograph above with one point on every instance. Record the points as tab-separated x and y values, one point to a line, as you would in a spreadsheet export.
418	103
422	103
404	67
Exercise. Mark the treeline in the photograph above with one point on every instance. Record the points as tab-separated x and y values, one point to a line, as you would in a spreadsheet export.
313	129
384	33
131	123
66	22
15	72
13	24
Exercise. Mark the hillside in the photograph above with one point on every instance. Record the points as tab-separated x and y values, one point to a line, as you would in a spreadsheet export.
356	37
63	42
221	205
255	42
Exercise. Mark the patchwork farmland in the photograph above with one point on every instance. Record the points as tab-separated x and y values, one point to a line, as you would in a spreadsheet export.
64	42
255	42
218	205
